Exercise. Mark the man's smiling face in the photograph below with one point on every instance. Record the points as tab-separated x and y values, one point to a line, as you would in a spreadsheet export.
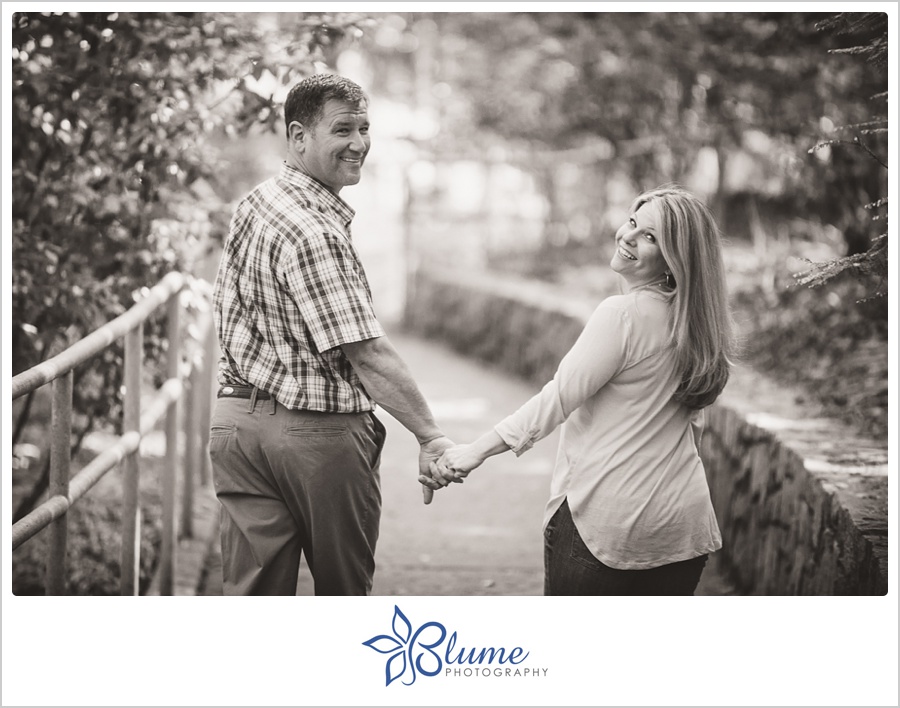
333	150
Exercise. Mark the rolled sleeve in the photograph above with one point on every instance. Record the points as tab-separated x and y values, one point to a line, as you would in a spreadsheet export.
518	439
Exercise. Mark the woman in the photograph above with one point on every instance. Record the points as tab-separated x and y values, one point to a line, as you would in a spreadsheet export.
629	509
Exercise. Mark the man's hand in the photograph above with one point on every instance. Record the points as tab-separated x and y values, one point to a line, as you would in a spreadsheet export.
431	451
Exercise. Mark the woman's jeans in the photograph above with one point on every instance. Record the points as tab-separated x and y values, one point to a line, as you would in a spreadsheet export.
571	569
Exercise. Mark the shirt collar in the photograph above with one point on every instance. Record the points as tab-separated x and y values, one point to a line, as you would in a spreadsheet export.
323	196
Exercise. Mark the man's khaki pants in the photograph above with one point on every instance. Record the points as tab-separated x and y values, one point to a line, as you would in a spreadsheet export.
294	482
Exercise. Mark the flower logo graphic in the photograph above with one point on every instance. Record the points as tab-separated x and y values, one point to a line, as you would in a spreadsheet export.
410	652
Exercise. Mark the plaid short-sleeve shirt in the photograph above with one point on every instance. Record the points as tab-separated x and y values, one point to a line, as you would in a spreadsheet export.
290	290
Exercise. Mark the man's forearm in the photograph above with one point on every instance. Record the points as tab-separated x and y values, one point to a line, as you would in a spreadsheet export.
388	381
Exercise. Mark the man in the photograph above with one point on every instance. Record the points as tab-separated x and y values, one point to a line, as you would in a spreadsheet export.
294	442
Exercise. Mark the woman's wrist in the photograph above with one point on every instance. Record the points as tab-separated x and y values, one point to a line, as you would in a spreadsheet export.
488	445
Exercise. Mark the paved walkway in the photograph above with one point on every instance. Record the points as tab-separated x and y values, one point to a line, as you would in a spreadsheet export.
479	538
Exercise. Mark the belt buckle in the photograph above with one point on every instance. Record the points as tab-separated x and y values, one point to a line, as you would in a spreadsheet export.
227	391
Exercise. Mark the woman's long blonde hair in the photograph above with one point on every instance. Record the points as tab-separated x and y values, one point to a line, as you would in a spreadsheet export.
701	323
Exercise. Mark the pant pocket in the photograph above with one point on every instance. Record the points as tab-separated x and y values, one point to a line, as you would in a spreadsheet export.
379	436
578	550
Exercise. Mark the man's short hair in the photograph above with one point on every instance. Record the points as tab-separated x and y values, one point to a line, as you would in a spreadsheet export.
306	100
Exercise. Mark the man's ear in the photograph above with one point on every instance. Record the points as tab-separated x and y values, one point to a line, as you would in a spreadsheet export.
296	133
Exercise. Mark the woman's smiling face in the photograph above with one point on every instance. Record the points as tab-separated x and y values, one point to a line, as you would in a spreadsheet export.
638	257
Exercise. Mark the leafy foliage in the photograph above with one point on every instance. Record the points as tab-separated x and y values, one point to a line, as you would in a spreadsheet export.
868	32
115	117
643	94
94	541
828	344
868	27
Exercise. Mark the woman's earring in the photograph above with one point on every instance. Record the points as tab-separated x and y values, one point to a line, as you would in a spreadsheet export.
670	281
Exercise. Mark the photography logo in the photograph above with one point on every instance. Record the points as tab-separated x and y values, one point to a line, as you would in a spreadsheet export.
431	651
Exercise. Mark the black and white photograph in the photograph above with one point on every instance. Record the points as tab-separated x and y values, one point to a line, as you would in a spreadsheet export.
396	353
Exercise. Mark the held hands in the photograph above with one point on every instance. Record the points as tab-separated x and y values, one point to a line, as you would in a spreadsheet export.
430	452
457	461
453	466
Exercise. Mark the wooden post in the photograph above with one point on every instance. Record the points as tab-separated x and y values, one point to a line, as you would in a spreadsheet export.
131	513
191	452
208	379
170	470
60	460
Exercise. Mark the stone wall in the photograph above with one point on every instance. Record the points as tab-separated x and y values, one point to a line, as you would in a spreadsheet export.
801	501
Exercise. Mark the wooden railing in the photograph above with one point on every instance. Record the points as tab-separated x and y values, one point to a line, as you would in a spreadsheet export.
188	382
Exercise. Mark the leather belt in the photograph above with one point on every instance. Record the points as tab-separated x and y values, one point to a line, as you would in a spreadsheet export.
234	391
